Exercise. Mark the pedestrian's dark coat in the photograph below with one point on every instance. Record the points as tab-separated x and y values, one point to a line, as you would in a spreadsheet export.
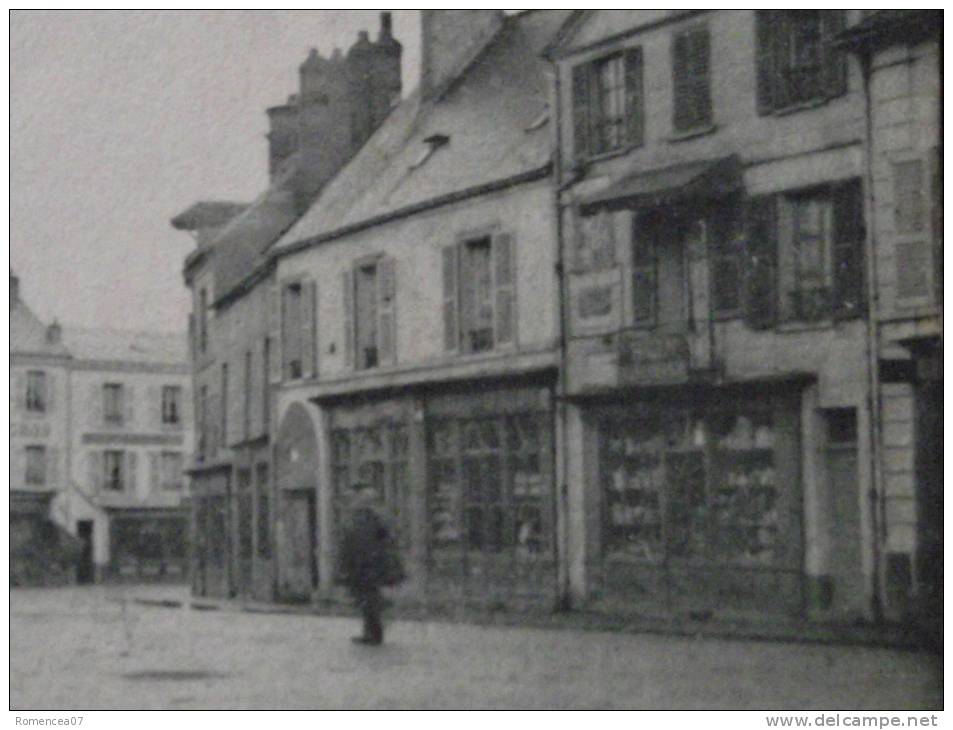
368	554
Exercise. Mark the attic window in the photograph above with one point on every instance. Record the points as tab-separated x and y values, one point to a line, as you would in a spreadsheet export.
540	121
432	144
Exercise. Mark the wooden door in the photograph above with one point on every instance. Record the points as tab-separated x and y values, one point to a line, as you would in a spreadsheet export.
300	570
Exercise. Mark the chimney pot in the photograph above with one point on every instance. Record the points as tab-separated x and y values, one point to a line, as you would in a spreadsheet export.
387	25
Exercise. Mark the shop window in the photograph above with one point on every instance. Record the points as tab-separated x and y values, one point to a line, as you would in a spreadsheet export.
264	512
607	104
36	465
171	404
113	403
36	391
692	85
479	280
796	60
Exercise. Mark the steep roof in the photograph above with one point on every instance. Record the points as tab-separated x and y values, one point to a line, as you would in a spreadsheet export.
488	126
126	346
28	334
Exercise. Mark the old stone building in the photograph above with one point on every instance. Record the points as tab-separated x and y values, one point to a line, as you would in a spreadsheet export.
341	101
425	277
900	56
718	448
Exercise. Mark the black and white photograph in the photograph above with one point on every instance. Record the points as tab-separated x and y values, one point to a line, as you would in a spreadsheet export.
539	359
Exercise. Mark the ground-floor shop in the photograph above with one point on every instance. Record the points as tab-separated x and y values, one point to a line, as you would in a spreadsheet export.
41	552
148	544
463	472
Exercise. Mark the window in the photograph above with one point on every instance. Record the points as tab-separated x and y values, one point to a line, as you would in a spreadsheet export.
203	320
36	391
171	471
263	516
299	329
691	81
36	465
726	249
817	239
479	294
171	404
796	62
113	403
607	104
113	472
370	291
644	268
914	259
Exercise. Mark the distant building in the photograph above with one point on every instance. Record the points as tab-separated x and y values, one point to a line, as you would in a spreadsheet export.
100	424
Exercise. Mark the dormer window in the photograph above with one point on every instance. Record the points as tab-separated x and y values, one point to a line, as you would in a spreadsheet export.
431	145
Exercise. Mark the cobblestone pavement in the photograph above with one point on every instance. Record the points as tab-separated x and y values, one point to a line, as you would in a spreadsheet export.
92	648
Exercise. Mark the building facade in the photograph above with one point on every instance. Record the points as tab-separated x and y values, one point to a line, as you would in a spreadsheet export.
718	428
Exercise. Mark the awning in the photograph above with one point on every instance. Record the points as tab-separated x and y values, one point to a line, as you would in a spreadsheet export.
691	181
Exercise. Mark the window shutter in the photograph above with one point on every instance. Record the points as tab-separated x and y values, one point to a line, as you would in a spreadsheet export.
760	285
53	467
308	301
154	473
581	100
700	64
129	405
848	249
18	397
154	405
681	84
94	465
634	109
49	396
833	60
387	291
274	330
451	320
936	219
765	59
690	62
782	51
19	462
347	289
130	475
504	281
94	406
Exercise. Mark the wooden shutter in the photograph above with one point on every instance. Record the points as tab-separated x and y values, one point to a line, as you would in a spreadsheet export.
274	330
129	405
49	386
848	249
129	483
451	317
581	102
833	60
18	397
690	64
386	314
760	285
94	467
308	300
765	59
936	219
634	98
154	405
53	467
155	475
347	290
18	464
504	283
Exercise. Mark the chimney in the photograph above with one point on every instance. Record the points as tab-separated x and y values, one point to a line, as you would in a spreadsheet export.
54	333
14	289
282	134
451	39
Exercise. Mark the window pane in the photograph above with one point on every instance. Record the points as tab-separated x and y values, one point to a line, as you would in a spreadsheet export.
610	117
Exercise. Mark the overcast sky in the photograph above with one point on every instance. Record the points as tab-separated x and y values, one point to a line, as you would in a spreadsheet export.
121	119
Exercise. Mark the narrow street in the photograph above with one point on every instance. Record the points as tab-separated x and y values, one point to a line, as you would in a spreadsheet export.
93	648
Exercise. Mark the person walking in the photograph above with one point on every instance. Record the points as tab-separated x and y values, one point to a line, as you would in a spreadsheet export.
369	560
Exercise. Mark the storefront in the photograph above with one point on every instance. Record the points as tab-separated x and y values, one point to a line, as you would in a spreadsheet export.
694	500
466	476
149	544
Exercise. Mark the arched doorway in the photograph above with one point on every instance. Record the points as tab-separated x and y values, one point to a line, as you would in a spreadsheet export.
296	480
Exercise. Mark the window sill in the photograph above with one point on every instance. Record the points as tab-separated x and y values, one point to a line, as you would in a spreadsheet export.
601	156
693	133
802	106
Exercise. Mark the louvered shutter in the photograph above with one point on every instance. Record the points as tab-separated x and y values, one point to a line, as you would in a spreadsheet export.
504	282
49	396
130	480
690	63
451	318
155	476
308	294
634	104
274	331
848	249
681	83
129	405
94	470
386	311
833	60
760	280
581	101
347	321
783	93
765	59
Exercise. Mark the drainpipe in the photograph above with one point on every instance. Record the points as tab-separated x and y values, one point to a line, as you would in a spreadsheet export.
564	601
876	492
